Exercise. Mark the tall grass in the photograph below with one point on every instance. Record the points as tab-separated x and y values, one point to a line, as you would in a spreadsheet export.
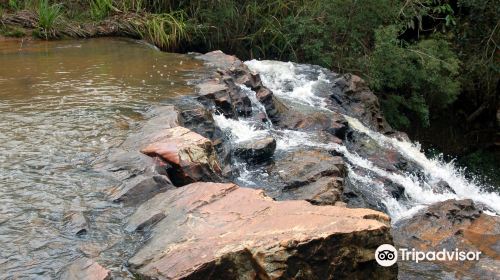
99	9
166	30
14	4
47	17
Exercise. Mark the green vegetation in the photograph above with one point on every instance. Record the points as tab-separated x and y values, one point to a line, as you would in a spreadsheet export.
47	17
166	30
99	9
425	59
484	164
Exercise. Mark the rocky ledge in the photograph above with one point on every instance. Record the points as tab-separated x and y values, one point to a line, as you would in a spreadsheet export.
222	231
178	171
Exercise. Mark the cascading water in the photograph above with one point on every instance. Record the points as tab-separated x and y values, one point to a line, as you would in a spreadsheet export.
301	87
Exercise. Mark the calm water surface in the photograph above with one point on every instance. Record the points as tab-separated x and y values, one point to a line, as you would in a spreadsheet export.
62	105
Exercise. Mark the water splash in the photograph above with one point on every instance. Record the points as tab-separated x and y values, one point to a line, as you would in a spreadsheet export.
299	85
288	81
436	170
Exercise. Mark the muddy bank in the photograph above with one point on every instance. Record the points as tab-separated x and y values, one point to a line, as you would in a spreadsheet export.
25	24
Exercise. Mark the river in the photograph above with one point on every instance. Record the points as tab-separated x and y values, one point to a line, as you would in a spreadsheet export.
62	105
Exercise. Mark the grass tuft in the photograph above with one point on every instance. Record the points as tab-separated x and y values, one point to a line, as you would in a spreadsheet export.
47	18
166	30
99	9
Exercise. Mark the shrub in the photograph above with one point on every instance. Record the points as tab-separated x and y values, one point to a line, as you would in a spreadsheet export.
416	78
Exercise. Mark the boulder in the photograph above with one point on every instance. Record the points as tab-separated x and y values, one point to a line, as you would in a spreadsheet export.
158	118
451	225
324	191
139	177
352	94
224	96
194	116
441	187
222	231
256	151
141	188
333	123
274	107
85	269
191	156
313	175
218	59
231	72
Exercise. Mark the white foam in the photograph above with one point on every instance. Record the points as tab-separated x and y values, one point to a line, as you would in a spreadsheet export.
436	169
239	130
285	81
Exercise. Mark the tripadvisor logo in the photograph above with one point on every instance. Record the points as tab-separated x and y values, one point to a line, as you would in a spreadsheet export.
387	255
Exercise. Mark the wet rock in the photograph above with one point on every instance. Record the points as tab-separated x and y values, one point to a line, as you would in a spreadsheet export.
191	155
442	187
233	72
274	107
225	97
302	167
333	123
76	223
139	177
141	188
85	269
221	231
384	157
448	225
194	116
158	119
122	165
352	94
312	175
256	150
324	191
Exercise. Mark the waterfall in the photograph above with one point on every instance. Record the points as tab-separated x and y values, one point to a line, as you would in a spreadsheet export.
301	86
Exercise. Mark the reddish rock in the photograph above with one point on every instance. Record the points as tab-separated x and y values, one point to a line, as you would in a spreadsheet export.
158	119
449	225
222	231
191	155
85	269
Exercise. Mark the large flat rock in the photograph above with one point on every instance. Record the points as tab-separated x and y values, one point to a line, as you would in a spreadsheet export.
222	231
